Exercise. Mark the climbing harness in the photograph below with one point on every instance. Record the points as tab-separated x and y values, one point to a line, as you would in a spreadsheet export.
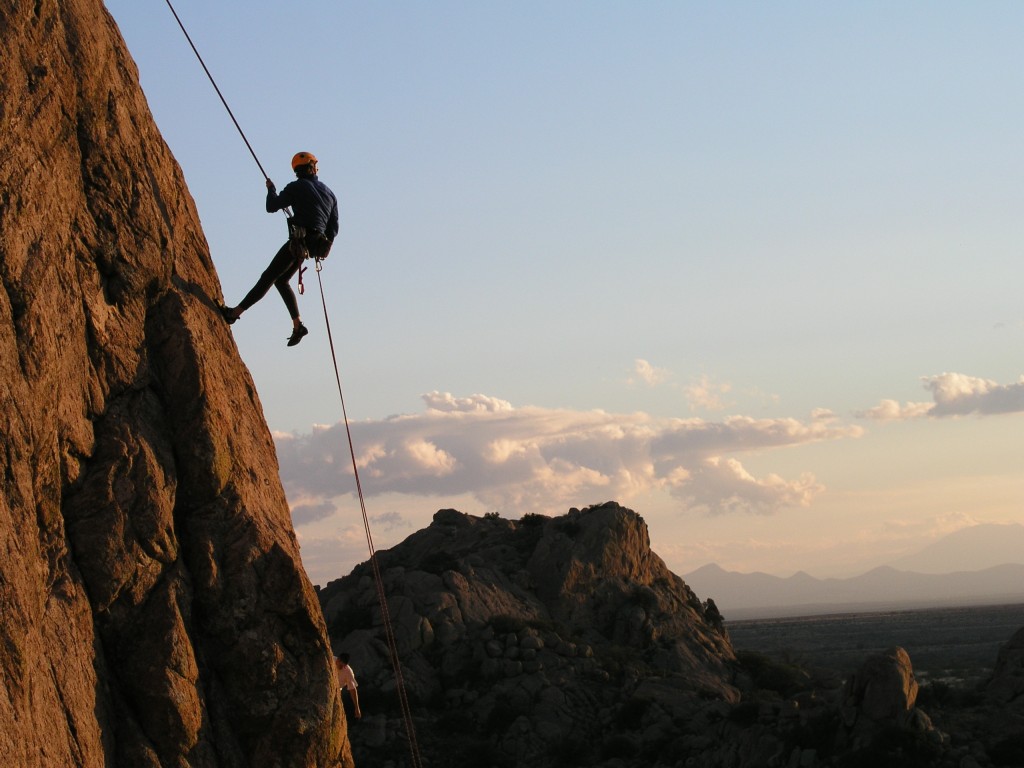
299	243
301	249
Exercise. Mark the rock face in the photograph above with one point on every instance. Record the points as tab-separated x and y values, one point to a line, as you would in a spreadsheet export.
1007	684
884	689
546	642
154	611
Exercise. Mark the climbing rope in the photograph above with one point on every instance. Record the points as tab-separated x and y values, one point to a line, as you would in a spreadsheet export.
389	631
214	84
223	101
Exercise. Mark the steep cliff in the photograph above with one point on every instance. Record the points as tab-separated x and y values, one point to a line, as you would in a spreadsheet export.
154	610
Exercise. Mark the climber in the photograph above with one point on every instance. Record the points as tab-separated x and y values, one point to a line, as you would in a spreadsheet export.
312	230
347	681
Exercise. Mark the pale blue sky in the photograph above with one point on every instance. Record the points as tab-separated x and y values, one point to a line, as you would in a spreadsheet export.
778	208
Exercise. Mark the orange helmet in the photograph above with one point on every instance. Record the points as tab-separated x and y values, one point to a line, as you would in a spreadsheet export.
303	158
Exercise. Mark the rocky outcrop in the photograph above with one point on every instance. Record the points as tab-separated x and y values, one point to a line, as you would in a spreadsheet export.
543	641
883	690
881	697
1007	684
565	641
154	609
791	718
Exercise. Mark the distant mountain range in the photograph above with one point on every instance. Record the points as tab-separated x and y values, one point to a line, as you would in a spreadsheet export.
969	549
913	581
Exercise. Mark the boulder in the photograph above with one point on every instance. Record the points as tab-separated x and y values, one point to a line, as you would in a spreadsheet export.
883	690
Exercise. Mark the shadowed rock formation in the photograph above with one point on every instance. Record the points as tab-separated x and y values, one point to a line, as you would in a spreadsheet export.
1007	684
154	610
543	641
884	690
565	641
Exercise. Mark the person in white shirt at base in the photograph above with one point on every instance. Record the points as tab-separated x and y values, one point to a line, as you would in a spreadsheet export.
347	681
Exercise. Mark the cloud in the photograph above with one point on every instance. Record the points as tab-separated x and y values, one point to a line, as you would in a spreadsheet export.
531	459
721	486
915	530
706	394
954	394
389	521
304	514
891	410
648	374
447	403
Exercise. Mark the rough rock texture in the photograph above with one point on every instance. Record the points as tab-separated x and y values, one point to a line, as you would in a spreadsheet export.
988	725
881	696
543	642
1007	684
559	642
154	611
884	689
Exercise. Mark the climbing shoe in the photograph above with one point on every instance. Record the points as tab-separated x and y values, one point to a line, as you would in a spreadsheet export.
297	334
228	314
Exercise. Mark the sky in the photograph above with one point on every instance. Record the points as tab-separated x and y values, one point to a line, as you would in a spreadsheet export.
752	270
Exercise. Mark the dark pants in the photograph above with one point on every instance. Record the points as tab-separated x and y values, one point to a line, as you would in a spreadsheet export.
280	271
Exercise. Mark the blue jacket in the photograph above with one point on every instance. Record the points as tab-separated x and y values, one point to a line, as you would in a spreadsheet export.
314	205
